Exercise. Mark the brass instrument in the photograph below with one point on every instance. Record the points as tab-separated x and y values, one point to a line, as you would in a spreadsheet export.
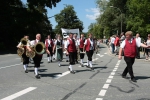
39	48
21	50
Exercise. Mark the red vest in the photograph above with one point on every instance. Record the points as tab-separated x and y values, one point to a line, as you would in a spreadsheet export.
87	47
81	43
47	44
71	46
130	48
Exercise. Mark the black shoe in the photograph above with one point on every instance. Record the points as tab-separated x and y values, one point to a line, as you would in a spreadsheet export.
26	71
124	77
88	66
82	65
133	79
37	77
92	68
69	69
48	61
67	61
51	60
72	72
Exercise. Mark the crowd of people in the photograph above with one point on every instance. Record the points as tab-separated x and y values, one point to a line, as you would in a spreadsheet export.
74	49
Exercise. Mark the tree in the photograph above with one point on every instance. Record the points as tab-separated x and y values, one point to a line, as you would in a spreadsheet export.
68	19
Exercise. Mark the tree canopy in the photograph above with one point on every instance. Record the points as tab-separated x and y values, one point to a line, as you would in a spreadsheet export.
18	19
134	15
68	19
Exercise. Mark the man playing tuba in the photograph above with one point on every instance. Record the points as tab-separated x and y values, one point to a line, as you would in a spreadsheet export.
23	46
38	48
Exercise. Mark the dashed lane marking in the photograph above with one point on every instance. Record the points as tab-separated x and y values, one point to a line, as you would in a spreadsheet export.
108	81
10	66
13	96
61	75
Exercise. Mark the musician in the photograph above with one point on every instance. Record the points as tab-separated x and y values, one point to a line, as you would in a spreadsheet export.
70	48
25	59
89	47
49	48
76	49
65	41
38	57
81	45
58	45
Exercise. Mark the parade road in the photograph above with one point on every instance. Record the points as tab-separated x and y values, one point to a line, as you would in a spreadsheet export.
57	83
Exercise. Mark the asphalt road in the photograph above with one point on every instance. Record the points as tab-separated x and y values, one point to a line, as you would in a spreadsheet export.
56	83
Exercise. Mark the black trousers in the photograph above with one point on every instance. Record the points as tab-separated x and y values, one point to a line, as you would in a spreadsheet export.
37	60
50	50
81	54
25	59
72	58
129	61
137	52
89	54
75	55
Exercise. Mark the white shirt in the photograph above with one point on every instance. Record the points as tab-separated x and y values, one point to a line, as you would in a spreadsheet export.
76	42
138	44
33	42
112	40
49	42
67	43
79	41
91	42
138	39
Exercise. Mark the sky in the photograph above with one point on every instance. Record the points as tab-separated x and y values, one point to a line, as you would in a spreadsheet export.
85	9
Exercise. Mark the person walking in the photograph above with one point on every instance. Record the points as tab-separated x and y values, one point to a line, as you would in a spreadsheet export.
129	45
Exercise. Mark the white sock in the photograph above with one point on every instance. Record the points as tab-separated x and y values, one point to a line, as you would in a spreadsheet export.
59	63
87	62
81	61
25	67
48	58
70	67
90	62
67	57
36	71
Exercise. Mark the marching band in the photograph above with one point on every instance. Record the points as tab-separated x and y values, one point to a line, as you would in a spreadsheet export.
74	49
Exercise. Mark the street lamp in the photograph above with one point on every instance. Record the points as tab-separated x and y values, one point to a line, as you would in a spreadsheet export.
121	15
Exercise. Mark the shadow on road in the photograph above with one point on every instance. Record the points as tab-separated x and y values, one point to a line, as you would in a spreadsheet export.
144	99
121	90
49	75
142	77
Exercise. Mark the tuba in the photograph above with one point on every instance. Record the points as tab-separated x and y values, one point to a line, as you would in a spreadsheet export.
39	48
21	50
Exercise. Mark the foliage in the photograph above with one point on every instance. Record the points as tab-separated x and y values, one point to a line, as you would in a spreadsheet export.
18	19
68	19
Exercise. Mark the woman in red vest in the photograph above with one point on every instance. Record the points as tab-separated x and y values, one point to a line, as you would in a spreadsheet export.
116	43
70	48
89	47
129	45
81	45
49	48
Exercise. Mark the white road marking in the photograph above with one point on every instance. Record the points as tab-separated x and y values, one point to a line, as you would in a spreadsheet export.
105	53
61	75
110	76
105	86
13	96
10	66
101	55
108	81
102	92
112	73
99	99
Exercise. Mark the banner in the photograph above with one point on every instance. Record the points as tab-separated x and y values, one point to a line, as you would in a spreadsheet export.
65	32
